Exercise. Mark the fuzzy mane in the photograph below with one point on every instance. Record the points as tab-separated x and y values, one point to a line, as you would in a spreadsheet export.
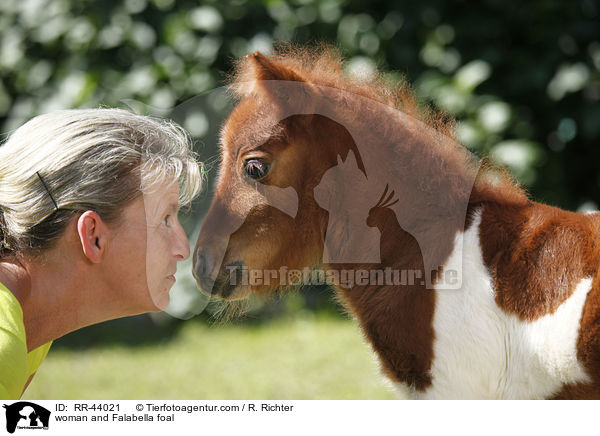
323	65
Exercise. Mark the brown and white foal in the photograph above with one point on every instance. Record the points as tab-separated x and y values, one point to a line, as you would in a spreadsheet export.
307	152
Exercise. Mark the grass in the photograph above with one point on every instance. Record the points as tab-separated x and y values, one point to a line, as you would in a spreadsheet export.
306	356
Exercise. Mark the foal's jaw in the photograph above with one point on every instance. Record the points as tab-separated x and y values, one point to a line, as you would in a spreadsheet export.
222	289
228	292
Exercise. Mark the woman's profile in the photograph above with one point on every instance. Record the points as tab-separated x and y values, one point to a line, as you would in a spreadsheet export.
89	232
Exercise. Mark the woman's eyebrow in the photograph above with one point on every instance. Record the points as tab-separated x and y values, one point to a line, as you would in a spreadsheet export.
173	207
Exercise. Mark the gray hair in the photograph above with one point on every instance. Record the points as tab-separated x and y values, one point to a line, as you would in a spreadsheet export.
67	162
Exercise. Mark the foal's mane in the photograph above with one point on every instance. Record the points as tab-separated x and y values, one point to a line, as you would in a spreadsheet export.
323	65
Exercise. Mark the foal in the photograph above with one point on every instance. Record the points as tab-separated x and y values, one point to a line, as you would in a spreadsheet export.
502	296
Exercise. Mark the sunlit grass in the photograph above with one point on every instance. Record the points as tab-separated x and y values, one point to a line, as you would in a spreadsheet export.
302	357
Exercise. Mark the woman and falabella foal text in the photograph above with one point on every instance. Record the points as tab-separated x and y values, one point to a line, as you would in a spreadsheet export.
89	232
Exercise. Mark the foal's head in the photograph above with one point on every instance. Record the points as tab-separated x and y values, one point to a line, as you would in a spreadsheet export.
277	206
274	152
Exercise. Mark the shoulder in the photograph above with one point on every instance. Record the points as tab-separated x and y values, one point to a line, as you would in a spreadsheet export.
537	255
13	348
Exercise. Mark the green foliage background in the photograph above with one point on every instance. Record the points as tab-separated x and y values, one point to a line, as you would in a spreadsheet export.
521	78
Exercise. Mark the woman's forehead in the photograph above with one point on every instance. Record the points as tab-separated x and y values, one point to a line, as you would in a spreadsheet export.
162	197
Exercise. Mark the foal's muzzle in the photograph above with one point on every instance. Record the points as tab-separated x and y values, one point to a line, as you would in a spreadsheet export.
215	280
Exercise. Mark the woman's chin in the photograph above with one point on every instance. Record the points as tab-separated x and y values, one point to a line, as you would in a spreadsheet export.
160	300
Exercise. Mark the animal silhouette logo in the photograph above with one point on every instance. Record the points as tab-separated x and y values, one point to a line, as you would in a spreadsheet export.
26	415
346	193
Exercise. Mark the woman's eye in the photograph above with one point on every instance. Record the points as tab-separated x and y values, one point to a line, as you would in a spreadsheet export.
166	220
256	168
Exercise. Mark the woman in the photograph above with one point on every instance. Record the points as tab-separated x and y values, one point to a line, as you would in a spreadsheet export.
88	227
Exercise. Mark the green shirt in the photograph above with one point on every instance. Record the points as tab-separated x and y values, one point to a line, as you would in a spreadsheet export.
16	364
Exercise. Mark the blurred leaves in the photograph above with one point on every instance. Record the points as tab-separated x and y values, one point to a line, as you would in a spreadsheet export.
522	79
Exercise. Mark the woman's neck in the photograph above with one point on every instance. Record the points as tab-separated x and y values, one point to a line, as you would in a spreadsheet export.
58	296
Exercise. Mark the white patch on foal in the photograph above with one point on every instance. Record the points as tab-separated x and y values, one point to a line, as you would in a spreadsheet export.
482	352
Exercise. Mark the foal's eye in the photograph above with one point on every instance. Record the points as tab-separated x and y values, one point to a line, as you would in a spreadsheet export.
256	168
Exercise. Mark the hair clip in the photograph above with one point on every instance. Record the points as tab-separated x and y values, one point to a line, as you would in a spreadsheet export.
47	190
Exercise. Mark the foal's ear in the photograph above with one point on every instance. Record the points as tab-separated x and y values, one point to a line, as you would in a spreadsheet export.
266	69
260	75
255	71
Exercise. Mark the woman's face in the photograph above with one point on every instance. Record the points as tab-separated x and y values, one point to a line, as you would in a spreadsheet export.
145	249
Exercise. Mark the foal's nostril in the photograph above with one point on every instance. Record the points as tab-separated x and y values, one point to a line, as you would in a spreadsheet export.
198	265
201	269
201	265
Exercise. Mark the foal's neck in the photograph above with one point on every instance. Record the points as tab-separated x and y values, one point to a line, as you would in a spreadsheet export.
433	178
394	307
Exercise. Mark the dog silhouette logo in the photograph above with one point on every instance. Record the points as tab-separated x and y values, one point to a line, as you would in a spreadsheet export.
26	415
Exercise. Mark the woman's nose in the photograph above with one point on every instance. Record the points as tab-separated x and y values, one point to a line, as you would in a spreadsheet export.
181	245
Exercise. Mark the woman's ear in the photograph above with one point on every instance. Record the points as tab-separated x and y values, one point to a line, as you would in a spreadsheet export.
92	235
